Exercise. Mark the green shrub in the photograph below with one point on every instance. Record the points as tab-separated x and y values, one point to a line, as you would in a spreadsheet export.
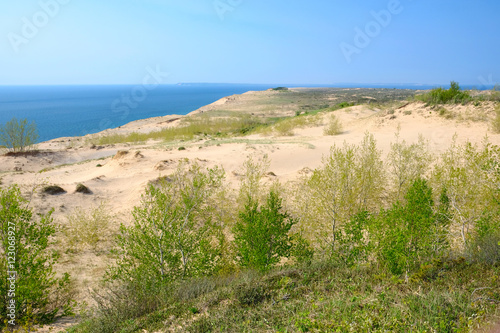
410	234
352	243
333	127
454	95
484	245
18	135
261	234
25	258
53	190
173	235
80	188
251	294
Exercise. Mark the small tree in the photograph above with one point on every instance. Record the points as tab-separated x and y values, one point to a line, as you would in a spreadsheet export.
173	235
261	235
28	286
18	135
410	233
350	181
407	163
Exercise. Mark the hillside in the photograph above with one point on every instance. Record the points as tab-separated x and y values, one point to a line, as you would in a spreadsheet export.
287	127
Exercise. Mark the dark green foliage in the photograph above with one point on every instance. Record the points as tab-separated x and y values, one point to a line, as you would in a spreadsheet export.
24	249
261	234
412	233
80	188
453	95
352	244
302	250
250	293
342	105
280	89
18	135
53	190
484	245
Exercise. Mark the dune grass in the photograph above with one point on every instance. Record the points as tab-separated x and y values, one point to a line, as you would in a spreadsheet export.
326	296
190	128
223	123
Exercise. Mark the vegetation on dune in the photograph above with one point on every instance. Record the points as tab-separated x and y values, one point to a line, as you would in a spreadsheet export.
362	244
18	136
409	241
453	95
191	127
30	291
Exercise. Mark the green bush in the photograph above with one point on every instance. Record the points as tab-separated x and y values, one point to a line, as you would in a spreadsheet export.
173	235
411	233
18	135
261	234
484	245
454	95
333	127
250	293
25	256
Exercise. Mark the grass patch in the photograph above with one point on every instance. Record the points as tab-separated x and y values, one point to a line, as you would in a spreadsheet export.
86	229
334	126
322	297
495	124
80	188
53	190
190	128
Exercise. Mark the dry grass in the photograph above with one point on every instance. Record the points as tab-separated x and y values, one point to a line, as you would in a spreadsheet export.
334	126
87	229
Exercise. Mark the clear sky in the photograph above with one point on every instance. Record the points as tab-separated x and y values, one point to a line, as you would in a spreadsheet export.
249	41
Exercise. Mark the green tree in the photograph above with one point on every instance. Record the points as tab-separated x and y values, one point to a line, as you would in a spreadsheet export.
407	163
173	234
353	245
18	135
261	235
351	180
471	176
407	233
26	277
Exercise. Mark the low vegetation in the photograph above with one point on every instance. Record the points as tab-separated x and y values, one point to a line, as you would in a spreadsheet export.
496	121
192	127
333	127
53	190
30	291
453	95
366	242
363	244
88	229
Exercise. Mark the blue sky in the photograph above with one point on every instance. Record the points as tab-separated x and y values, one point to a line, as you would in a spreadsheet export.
249	41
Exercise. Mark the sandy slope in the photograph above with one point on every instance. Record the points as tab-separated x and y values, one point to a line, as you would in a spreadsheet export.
120	179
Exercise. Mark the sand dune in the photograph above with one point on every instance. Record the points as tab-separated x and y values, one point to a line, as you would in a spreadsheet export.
118	175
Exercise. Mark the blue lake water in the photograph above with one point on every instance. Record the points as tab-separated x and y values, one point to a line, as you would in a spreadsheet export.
62	111
79	110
